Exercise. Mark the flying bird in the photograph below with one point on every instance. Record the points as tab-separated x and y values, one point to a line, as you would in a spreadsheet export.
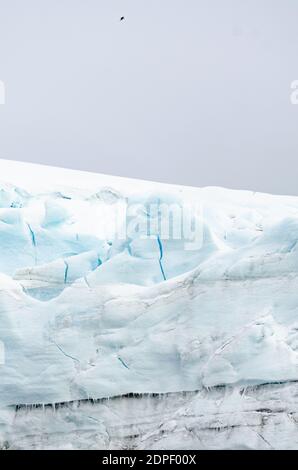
122	18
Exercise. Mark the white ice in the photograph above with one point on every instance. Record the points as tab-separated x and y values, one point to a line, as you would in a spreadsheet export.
88	316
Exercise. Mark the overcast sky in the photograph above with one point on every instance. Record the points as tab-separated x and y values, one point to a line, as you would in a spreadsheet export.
185	91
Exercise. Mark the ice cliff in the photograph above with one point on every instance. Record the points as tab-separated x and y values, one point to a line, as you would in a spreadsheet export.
93	325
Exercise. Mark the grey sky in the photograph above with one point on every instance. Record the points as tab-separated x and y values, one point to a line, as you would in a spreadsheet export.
184	91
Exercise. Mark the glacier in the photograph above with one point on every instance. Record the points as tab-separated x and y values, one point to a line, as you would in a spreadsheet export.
140	342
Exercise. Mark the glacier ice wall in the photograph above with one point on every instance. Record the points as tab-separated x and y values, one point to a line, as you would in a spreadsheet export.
86	315
261	417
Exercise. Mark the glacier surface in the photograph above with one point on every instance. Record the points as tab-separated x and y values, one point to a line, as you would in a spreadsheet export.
141	343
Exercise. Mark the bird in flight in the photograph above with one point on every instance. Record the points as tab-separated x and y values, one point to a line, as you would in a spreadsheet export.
122	18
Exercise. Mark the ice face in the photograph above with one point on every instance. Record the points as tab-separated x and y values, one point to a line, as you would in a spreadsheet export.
262	417
87	314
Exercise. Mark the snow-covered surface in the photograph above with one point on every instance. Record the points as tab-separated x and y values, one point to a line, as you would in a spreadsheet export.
85	315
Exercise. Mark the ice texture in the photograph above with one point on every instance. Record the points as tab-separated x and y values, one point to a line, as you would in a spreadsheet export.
262	417
91	317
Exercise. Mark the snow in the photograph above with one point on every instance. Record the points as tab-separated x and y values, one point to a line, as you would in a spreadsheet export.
86	314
